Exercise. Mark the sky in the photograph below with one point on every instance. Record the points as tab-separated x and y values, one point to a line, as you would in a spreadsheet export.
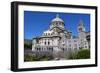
35	23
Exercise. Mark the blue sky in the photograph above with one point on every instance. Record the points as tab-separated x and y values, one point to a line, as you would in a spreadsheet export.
37	22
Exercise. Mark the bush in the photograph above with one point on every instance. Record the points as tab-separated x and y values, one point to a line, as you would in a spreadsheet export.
81	54
28	58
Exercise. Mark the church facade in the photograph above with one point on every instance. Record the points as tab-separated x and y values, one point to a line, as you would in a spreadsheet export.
59	42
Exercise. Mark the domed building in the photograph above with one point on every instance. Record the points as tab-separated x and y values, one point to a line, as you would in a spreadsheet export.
59	42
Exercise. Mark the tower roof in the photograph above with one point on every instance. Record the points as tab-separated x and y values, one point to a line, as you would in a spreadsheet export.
81	23
57	18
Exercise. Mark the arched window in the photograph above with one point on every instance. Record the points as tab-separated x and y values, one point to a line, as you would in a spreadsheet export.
63	49
48	43
48	33
37	49
45	42
80	29
52	48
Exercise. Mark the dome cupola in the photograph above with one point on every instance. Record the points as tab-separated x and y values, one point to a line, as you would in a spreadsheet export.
57	19
57	22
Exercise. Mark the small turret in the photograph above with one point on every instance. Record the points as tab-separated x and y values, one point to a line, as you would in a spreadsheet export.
81	27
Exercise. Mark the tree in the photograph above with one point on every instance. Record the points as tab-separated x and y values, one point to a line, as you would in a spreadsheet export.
81	54
27	46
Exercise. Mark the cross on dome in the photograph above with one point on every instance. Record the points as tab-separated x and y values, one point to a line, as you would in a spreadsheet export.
57	15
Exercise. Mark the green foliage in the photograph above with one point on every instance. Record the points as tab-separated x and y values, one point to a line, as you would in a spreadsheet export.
28	58
81	54
27	46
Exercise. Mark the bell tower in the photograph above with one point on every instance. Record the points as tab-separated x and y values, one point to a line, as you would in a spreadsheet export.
81	27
